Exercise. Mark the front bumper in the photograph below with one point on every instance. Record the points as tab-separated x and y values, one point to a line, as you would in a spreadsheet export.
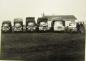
43	28
17	29
31	28
59	29
73	29
5	29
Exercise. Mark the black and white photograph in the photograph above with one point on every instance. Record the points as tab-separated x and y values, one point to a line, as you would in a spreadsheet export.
42	30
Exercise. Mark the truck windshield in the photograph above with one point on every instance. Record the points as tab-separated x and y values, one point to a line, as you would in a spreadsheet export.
58	23
5	25
18	25
43	24
31	24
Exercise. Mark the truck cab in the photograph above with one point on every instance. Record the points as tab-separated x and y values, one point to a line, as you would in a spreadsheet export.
6	26
72	27
18	25
30	24
42	24
58	25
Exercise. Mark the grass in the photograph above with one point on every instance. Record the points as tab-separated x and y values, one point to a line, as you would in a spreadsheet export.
43	46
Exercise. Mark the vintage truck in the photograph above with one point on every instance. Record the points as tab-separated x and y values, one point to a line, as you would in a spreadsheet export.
72	27
18	25
6	26
58	25
42	24
30	24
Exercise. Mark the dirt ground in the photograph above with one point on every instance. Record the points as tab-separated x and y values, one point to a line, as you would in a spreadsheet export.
43	46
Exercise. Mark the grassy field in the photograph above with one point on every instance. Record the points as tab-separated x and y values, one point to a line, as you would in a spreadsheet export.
43	46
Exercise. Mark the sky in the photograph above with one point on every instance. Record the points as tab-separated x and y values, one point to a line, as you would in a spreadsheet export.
10	9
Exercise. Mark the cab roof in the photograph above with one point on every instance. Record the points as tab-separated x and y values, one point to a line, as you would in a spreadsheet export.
61	16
